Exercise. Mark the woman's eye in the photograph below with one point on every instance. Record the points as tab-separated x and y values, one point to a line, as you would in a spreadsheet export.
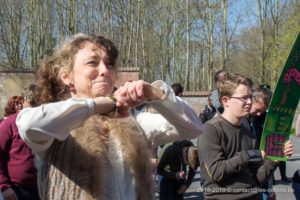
93	62
110	67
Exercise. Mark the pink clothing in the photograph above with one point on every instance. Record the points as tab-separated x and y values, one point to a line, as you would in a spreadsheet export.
16	159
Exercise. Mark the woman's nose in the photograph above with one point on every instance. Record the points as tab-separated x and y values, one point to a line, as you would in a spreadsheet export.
103	68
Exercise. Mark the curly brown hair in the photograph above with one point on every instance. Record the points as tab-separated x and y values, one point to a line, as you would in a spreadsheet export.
50	87
12	103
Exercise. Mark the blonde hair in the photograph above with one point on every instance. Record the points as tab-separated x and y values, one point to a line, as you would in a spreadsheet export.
193	157
231	82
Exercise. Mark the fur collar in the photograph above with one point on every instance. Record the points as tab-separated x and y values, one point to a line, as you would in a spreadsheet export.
104	159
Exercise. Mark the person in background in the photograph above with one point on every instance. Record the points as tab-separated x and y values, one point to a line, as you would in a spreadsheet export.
261	97
209	110
176	179
18	175
231	165
14	105
88	144
215	97
177	88
296	184
296	176
178	91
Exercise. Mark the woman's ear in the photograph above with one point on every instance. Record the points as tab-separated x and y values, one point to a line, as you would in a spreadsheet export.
68	80
65	78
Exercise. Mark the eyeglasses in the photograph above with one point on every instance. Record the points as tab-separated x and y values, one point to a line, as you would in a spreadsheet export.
265	86
243	99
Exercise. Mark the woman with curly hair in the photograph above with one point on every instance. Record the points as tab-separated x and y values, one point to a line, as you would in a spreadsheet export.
14	105
88	144
18	174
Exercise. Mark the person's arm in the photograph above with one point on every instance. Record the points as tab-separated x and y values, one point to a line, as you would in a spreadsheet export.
218	167
188	181
177	111
265	171
190	177
157	129
5	143
178	120
39	126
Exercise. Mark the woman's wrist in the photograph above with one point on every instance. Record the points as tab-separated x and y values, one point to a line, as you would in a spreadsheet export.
113	110
105	105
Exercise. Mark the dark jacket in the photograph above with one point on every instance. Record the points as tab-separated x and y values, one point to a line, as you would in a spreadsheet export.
256	126
224	161
208	113
172	157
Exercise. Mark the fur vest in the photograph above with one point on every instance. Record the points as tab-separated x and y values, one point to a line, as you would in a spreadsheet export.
104	159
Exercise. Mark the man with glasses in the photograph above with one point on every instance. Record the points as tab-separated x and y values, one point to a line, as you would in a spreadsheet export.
231	165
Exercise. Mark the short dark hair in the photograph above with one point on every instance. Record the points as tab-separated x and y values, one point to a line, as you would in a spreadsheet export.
29	94
220	75
262	94
177	88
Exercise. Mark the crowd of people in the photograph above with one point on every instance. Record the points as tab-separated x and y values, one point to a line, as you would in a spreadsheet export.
74	135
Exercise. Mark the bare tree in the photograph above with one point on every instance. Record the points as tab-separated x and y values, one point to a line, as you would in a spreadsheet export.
224	35
12	40
262	11
187	67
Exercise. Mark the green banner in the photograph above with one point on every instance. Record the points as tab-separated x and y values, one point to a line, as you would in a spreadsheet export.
277	127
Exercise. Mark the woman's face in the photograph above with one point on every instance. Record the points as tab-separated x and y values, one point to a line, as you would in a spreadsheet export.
18	106
92	75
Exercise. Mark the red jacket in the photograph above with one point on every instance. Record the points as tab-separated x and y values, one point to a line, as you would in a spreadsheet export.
16	159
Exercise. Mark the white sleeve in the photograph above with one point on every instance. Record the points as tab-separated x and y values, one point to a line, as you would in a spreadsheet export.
39	126
177	121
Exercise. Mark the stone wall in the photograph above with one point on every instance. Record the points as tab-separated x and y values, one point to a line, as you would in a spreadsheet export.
12	84
127	74
197	100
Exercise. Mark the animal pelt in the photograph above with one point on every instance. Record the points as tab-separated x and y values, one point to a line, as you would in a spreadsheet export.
84	165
